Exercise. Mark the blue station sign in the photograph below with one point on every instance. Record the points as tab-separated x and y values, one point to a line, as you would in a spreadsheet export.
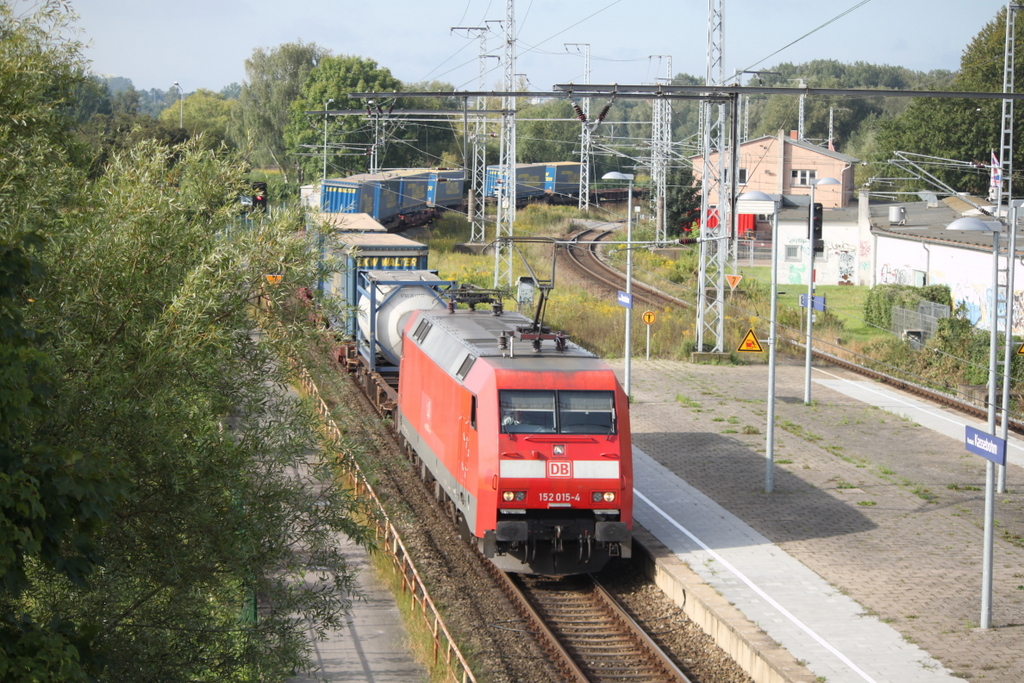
987	446
817	302
625	300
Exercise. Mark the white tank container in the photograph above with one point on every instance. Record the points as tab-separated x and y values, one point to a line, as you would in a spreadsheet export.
393	315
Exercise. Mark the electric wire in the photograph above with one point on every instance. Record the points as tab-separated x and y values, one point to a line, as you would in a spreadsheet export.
811	32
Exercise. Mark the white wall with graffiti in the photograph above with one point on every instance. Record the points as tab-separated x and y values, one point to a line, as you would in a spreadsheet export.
846	259
967	272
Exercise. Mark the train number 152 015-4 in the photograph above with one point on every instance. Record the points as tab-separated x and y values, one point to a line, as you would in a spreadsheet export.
559	497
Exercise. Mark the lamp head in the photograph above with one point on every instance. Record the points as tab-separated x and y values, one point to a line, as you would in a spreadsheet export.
754	196
825	181
972	224
616	175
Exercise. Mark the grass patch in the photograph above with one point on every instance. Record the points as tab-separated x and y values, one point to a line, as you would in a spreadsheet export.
749	429
1015	539
798	430
924	493
845	302
687	402
421	639
867	503
783	462
962	487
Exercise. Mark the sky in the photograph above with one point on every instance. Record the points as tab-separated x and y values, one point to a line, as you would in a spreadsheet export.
204	43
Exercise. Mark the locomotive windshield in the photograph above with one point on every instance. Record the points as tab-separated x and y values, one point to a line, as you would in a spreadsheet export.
557	412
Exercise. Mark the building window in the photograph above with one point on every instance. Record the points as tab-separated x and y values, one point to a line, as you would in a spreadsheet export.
803	177
793	252
741	176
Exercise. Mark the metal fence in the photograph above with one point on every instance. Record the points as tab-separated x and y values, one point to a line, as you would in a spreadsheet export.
445	651
921	324
748	252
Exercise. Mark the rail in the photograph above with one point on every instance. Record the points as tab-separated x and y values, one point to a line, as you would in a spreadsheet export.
445	648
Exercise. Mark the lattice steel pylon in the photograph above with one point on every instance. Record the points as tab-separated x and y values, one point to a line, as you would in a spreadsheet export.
478	164
1005	191
661	146
586	144
714	247
506	187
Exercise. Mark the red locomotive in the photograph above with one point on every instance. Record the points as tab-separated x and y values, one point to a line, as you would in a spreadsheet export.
525	435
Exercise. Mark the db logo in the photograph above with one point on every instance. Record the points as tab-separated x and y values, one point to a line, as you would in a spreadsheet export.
559	468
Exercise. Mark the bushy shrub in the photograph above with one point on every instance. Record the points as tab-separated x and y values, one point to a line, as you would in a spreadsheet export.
883	298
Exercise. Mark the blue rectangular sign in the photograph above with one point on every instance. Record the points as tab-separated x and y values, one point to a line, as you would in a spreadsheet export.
984	444
625	300
818	302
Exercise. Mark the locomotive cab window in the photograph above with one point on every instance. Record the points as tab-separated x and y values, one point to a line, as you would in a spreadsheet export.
527	412
557	412
586	412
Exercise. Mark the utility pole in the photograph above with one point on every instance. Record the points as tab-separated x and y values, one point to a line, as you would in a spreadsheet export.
586	146
507	176
714	249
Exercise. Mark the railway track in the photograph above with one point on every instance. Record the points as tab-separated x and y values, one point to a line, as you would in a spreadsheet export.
588	636
585	259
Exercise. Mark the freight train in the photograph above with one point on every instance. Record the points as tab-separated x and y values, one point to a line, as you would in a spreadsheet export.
523	435
404	198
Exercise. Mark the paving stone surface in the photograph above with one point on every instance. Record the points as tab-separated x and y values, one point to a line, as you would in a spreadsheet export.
887	510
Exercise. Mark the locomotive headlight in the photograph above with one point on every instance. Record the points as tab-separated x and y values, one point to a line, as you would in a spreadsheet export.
520	496
609	497
508	496
606	496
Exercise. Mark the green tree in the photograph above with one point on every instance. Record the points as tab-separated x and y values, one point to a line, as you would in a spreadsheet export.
682	201
203	111
156	512
53	500
966	130
150	323
274	81
547	139
334	78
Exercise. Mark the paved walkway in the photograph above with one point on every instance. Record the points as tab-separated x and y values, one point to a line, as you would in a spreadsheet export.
865	562
373	647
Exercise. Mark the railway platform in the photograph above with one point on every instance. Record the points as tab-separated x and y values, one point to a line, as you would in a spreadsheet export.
864	564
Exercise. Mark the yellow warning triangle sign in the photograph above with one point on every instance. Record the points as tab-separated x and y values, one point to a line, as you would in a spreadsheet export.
750	344
1020	351
733	280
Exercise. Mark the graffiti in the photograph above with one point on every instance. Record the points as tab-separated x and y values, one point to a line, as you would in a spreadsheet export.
971	299
796	274
891	275
846	267
1018	312
865	249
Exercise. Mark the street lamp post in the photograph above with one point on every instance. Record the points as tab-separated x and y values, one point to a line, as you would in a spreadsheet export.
328	102
181	107
810	286
976	225
758	202
615	175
